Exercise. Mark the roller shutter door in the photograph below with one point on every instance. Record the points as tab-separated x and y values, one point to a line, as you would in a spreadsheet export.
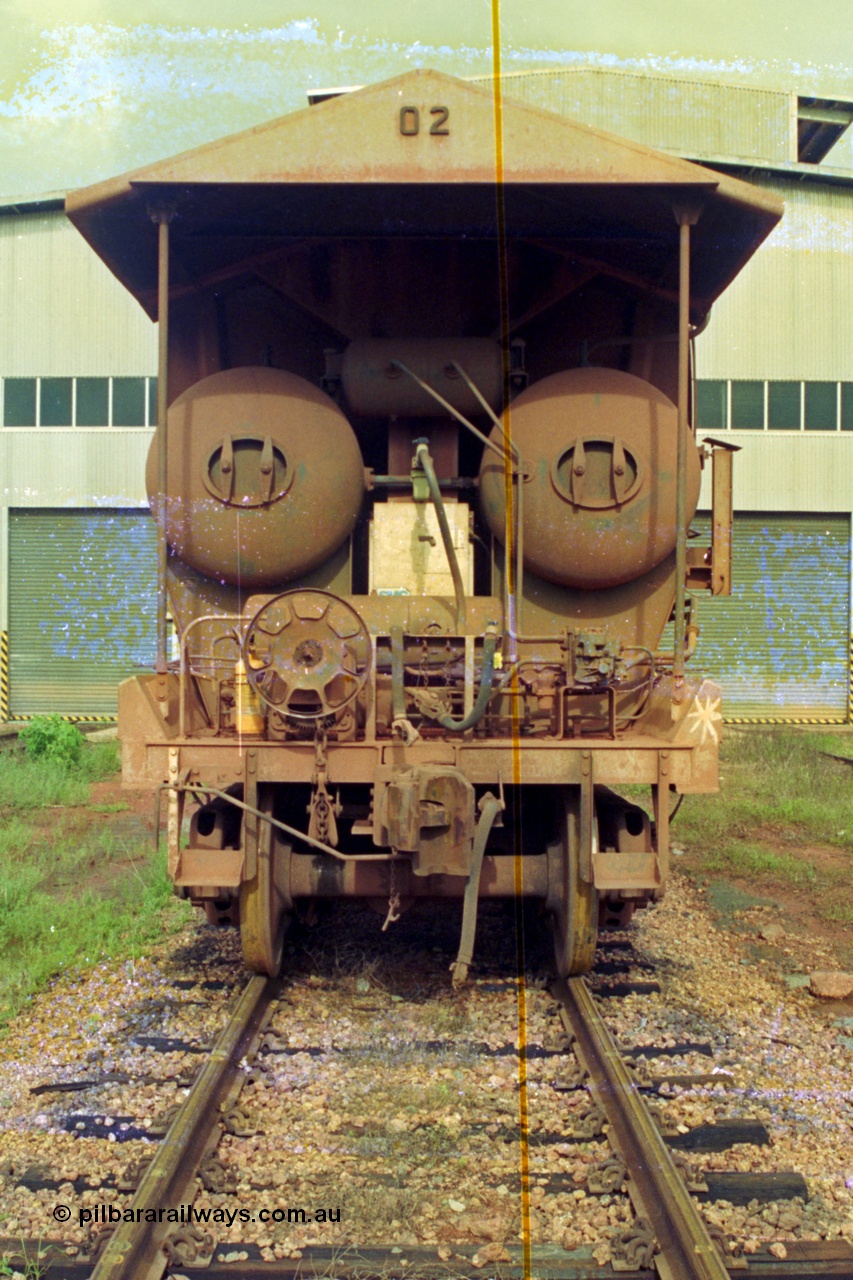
779	646
82	608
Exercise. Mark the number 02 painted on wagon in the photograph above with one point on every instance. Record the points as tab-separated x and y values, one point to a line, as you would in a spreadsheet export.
410	122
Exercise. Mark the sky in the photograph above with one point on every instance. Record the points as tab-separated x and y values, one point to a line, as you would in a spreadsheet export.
91	88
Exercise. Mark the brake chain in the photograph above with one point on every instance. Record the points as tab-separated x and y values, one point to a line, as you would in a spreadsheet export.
322	810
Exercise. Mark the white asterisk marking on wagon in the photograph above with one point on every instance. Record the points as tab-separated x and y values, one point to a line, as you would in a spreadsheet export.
704	716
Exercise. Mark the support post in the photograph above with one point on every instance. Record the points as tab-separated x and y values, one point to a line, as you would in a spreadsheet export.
660	799
251	826
686	215
162	215
174	819
586	824
721	516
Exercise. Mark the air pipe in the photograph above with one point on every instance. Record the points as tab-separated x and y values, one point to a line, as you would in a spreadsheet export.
489	444
422	456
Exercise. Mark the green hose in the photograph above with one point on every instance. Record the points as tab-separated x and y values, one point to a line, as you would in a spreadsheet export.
484	692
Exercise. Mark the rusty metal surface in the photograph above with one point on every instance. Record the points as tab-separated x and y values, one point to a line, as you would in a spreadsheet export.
369	137
498	879
307	653
265	477
429	812
547	765
374	385
325	244
721	516
599	449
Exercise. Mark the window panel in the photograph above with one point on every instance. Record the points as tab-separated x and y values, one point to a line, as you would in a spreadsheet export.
19	402
783	406
821	406
847	406
711	405
93	402
748	406
128	402
55	402
152	402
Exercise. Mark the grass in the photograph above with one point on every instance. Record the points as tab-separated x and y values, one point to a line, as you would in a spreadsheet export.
775	783
27	783
23	1266
70	894
783	819
743	858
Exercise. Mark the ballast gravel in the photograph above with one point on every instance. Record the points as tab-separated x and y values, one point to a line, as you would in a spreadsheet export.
389	1110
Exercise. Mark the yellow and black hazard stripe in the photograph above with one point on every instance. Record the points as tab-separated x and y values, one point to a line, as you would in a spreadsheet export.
73	718
90	719
784	720
4	675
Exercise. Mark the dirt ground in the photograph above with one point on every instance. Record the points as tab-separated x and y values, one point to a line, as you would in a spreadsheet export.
809	941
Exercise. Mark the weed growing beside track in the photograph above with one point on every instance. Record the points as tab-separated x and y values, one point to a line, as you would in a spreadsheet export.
74	887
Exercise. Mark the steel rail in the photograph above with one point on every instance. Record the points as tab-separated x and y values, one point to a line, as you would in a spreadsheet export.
133	1251
657	1189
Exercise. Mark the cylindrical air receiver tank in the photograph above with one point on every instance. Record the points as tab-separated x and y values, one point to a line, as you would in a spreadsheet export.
599	450
375	386
264	475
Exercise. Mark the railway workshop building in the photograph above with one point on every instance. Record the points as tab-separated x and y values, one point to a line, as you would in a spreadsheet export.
774	378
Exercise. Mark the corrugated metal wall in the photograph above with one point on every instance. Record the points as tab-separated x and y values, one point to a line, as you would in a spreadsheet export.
789	471
63	312
82	603
695	117
74	467
779	645
787	315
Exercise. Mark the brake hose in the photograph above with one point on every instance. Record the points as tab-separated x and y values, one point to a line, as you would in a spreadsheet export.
487	671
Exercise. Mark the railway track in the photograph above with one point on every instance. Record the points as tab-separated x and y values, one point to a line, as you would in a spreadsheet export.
667	1219
135	1250
275	1030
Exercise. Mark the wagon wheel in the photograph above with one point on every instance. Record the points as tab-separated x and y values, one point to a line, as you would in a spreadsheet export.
572	903
307	653
263	902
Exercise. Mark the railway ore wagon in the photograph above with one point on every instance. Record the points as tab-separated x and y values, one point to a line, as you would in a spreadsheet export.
423	478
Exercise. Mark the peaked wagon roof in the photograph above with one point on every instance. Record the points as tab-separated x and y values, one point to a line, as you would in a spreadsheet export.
421	154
